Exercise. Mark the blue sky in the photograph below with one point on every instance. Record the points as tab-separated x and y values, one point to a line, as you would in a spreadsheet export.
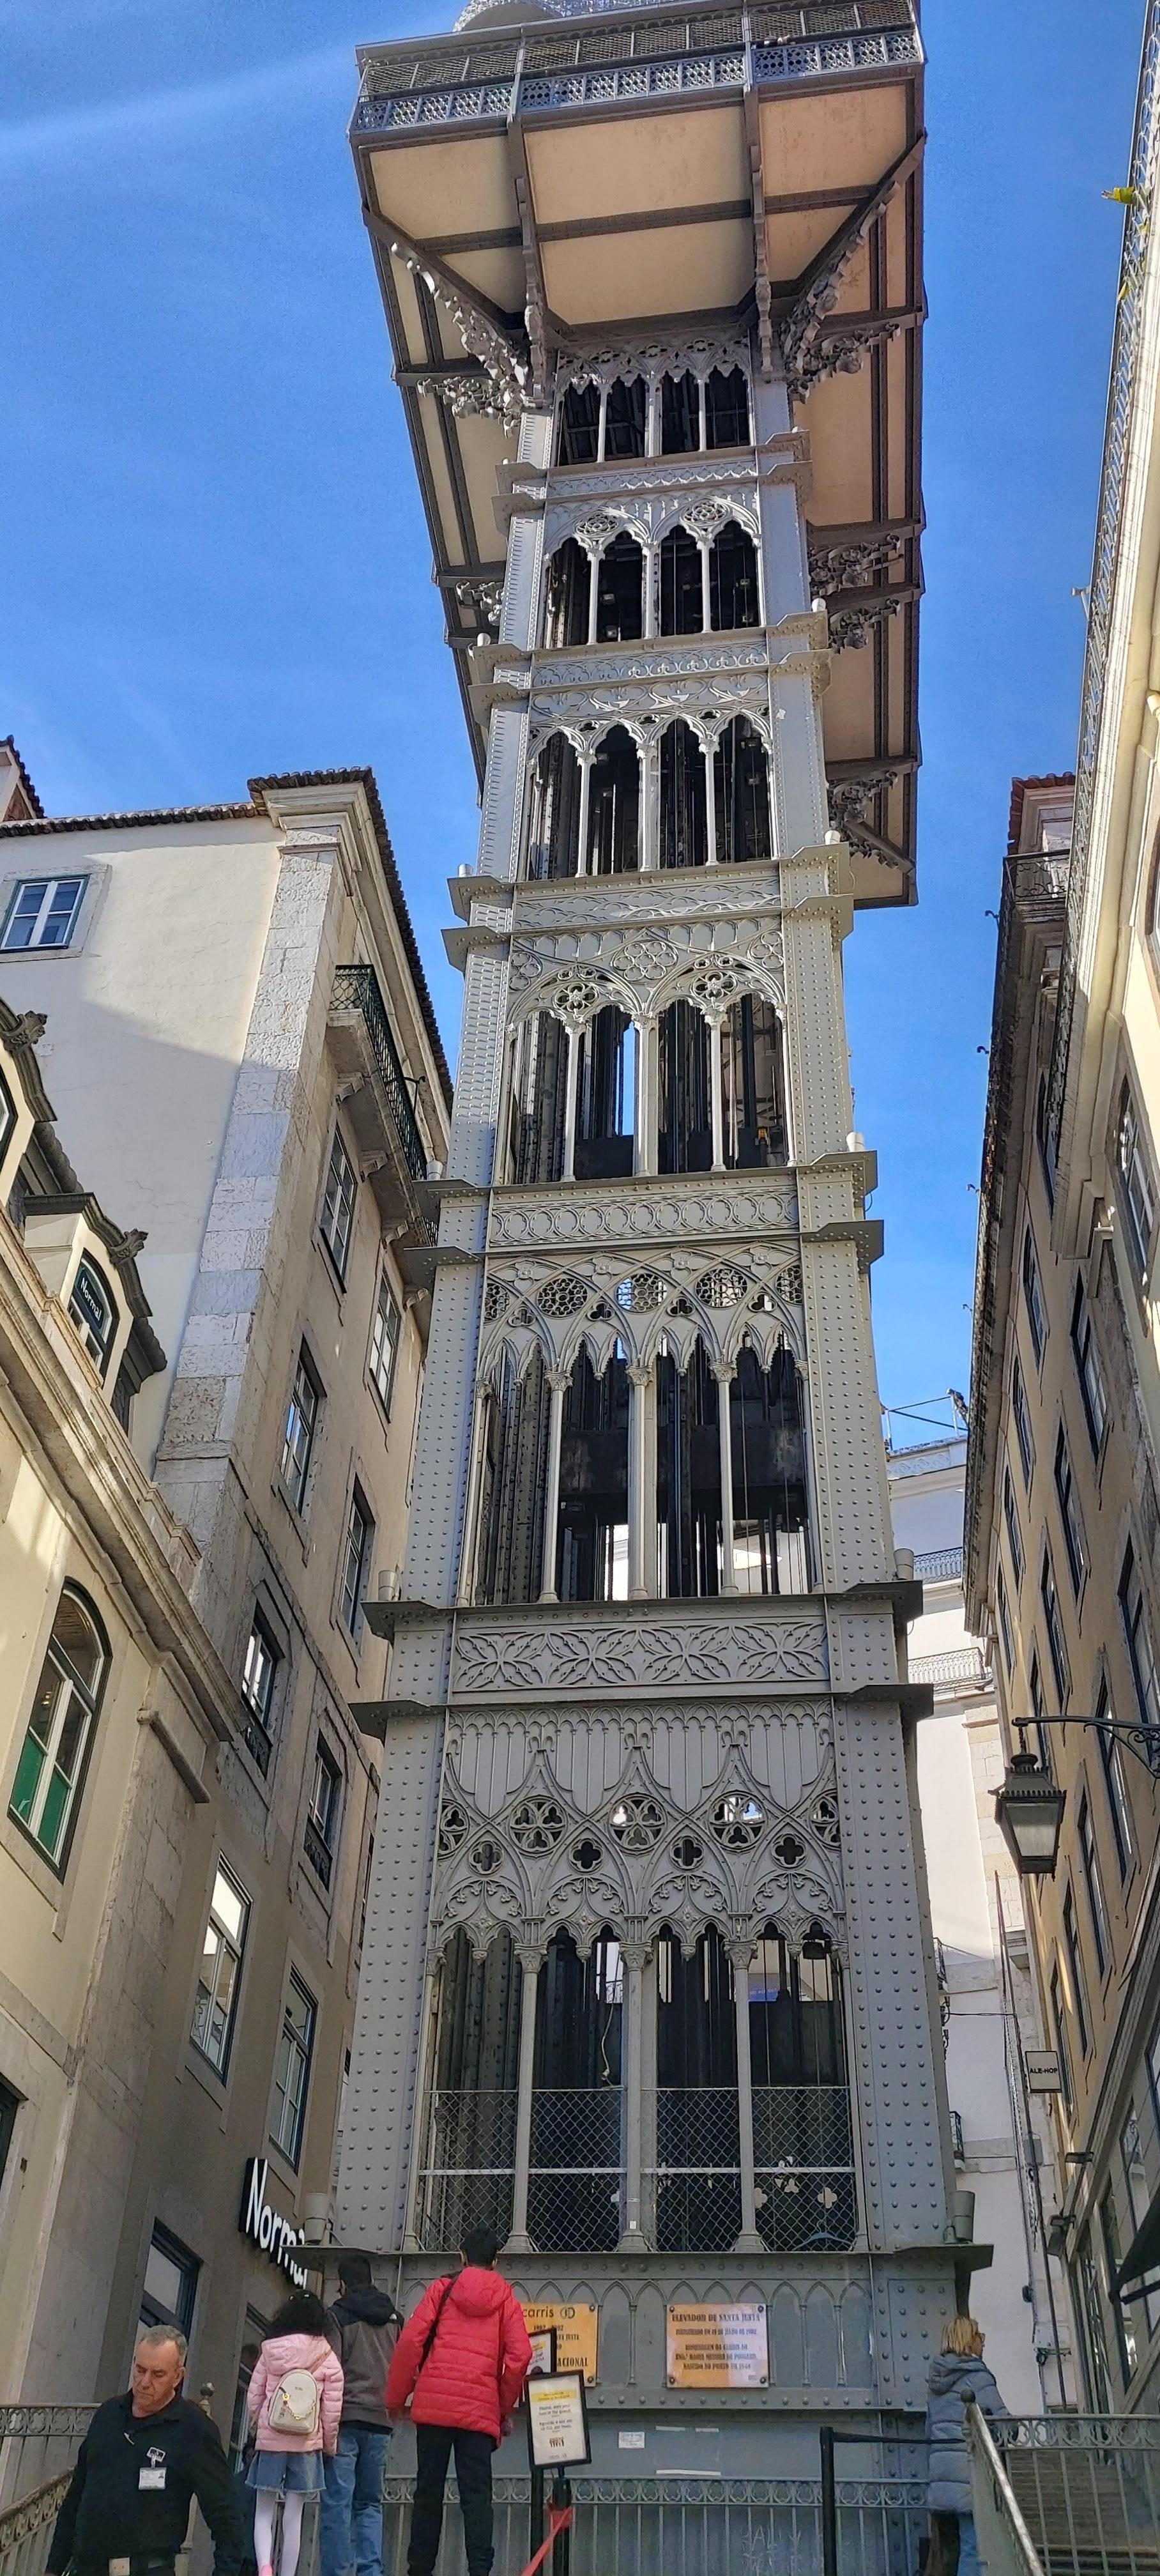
216	566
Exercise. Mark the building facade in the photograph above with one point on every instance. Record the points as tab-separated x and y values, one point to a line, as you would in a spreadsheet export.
1063	1525
245	1062
647	1978
999	2133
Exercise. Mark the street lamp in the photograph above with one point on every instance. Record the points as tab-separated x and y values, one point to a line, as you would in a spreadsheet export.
1029	1812
1029	1806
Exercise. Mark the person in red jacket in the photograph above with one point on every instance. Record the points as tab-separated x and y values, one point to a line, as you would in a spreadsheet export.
461	2362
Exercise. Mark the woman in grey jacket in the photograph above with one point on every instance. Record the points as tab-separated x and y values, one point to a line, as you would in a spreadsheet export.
957	2376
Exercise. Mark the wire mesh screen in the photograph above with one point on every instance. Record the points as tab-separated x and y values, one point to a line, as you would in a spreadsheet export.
695	2189
685	2526
575	2185
468	2176
803	2154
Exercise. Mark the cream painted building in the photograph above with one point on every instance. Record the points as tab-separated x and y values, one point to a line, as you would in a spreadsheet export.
986	1987
245	1063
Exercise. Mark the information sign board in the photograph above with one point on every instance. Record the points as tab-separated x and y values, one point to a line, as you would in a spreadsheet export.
575	2332
558	2422
715	2347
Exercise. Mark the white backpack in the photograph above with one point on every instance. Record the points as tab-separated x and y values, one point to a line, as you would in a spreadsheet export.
295	2406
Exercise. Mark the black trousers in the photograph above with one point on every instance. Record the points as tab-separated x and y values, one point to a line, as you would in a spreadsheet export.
434	2443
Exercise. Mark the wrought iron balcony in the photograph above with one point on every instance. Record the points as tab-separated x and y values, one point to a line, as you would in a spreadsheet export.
379	1101
485	82
940	1565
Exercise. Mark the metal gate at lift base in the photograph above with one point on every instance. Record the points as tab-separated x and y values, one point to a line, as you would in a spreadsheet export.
695	2526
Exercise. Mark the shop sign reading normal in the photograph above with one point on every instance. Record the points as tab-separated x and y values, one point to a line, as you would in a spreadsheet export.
575	2333
710	2347
277	2237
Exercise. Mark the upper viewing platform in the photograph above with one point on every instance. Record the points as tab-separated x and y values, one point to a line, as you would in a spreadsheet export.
553	199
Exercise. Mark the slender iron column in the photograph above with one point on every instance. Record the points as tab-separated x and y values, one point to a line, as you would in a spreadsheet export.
639	1380
470	1540
519	2241
723	1371
635	1956
749	2242
716	1104
571	1078
709	756
558	1382
585	758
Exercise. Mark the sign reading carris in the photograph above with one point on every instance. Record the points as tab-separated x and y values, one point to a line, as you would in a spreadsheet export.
262	2224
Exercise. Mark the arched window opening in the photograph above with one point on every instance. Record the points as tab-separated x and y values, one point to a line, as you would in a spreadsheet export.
803	2149
593	1517
741	793
567	596
624	417
579	442
538	1100
620	592
684	822
753	1085
554	811
680	415
697	2180
576	2177
688	1479
605	1098
50	1773
515	1462
467	2175
685	1119
681	597
727	409
771	1547
732	579
614	806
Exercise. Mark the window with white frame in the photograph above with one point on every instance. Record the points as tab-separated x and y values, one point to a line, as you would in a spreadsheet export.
322	1814
336	1222
385	1343
43	912
92	1306
1033	1297
1059	2030
1137	1193
169	2295
1138	1638
292	2069
355	1560
259	1681
1021	1417
1074	1540
1053	1624
51	1769
1003	1618
1116	1784
1076	1967
301	1425
1011	1524
215	2009
1093	1881
1139	2200
1093	1394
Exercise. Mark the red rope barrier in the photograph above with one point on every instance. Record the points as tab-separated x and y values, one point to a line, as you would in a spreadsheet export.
559	2519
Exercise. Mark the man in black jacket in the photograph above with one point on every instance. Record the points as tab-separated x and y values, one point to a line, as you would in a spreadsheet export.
144	2458
363	2325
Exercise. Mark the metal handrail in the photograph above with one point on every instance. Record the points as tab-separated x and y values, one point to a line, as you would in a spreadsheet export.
359	988
979	2434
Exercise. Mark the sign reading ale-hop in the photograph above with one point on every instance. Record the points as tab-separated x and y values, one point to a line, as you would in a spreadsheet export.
575	2333
710	2347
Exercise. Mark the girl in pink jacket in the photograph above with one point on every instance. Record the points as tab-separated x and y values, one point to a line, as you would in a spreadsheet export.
294	2401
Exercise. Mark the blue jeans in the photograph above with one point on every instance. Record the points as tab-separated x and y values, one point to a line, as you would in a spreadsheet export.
351	2528
968	2546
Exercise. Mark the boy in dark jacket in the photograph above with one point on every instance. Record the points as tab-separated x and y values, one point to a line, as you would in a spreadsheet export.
362	2329
461	2361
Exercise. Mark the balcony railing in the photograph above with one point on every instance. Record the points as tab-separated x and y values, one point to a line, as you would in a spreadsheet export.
576	2181
1068	2494
965	1665
469	2175
357	987
940	1565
